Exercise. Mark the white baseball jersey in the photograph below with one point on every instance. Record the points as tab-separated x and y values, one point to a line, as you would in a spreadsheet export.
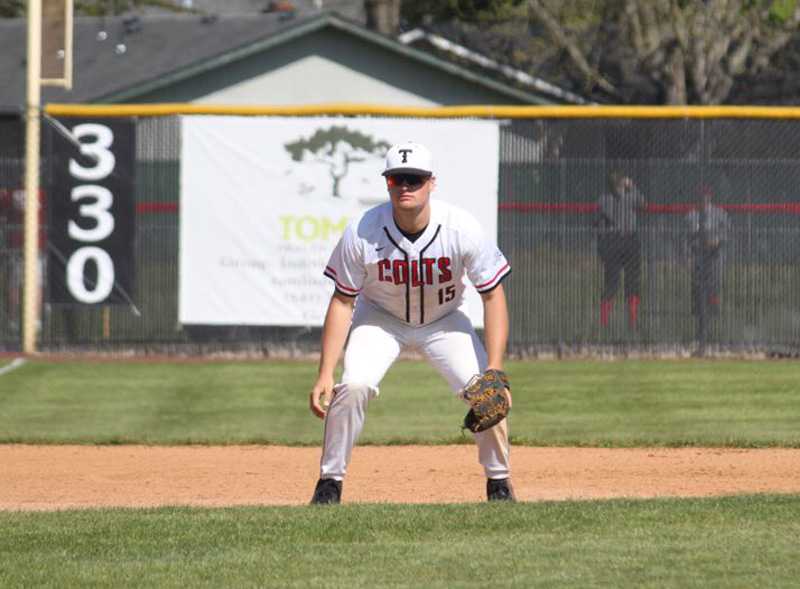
416	282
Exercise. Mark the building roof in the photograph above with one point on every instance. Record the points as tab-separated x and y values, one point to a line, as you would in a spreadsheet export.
117	59
422	38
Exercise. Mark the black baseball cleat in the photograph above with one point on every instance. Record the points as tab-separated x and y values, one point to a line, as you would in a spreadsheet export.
499	490
327	492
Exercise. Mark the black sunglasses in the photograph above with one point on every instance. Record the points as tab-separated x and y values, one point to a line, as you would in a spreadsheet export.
409	179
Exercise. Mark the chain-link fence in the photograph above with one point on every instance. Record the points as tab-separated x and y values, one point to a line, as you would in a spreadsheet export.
11	169
670	235
673	233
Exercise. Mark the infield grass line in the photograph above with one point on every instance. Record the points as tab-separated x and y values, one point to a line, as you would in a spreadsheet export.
752	404
15	363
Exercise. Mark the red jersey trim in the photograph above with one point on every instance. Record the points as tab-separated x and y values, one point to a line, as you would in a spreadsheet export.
500	273
331	273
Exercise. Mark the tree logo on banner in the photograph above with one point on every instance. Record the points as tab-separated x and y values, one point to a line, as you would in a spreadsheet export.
337	148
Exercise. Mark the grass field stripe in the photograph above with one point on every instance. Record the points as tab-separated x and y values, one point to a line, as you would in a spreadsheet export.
16	363
679	402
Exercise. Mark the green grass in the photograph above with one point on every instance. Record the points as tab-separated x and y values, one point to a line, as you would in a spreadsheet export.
622	404
730	542
746	541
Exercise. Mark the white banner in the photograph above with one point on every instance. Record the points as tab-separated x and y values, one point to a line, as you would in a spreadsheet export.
264	201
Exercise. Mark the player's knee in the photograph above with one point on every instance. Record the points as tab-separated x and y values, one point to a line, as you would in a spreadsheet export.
353	394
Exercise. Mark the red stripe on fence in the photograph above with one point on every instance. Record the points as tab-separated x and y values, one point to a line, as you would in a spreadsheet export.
675	208
579	208
156	207
547	207
778	207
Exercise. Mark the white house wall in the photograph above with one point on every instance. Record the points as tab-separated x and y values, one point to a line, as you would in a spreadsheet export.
312	80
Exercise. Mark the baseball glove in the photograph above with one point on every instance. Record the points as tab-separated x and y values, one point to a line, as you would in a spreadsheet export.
487	398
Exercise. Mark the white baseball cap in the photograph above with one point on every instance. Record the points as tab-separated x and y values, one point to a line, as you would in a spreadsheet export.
408	157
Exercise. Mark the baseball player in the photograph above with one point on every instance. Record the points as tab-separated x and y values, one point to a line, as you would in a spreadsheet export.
707	241
619	245
12	218
403	266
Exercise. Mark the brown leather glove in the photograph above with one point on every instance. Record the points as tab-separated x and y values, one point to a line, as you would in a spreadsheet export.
488	400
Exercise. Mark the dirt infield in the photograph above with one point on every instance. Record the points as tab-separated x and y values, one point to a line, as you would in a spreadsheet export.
61	477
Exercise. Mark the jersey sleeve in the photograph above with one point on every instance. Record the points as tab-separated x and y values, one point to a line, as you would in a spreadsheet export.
693	222
346	265
604	212
485	264
639	199
726	225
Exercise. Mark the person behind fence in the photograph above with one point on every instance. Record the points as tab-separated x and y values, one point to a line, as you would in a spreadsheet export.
12	217
708	226
619	245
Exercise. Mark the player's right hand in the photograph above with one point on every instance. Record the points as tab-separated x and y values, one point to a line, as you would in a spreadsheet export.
321	396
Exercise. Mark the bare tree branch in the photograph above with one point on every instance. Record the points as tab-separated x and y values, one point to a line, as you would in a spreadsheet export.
564	40
693	50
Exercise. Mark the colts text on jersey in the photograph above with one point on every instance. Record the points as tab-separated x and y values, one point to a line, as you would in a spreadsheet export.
424	271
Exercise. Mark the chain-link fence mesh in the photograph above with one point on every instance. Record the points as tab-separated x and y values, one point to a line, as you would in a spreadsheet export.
11	168
650	235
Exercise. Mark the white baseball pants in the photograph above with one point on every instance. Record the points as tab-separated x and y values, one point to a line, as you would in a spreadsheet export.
376	339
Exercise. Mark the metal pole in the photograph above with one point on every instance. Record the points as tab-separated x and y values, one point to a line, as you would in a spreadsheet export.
68	17
702	262
702	320
32	130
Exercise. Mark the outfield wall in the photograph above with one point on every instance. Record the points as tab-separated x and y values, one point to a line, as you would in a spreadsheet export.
552	167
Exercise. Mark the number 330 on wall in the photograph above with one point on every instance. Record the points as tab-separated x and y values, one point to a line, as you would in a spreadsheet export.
92	214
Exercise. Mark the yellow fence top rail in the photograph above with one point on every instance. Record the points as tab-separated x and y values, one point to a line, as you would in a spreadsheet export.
479	111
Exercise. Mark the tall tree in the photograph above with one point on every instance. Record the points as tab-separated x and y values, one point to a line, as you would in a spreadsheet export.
415	13
16	8
628	51
669	51
113	7
11	8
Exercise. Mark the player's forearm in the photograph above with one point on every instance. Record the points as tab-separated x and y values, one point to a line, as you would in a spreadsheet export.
495	326
334	332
